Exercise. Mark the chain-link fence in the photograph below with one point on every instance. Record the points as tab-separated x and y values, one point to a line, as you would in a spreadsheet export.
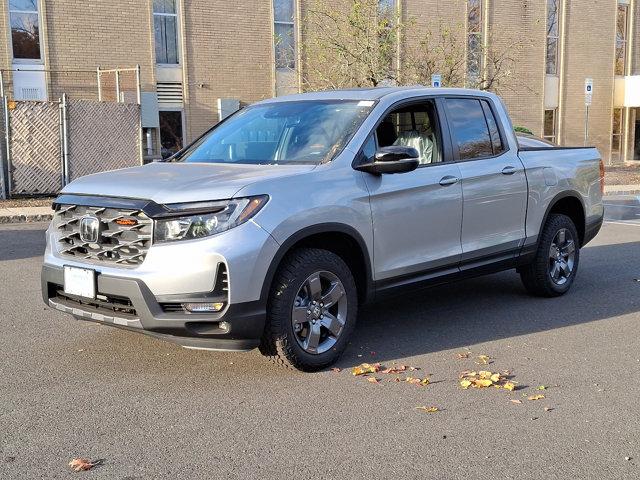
46	144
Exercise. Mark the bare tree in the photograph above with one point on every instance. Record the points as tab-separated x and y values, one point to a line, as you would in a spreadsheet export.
357	46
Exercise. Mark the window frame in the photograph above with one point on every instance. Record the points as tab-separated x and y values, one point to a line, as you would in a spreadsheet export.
624	42
177	16
442	126
555	37
294	27
503	138
28	61
552	138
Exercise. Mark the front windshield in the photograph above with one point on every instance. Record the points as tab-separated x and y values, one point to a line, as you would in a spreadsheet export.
281	133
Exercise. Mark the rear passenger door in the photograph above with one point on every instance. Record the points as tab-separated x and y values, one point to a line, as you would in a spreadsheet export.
494	184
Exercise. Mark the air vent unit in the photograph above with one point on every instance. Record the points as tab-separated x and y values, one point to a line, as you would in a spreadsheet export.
170	94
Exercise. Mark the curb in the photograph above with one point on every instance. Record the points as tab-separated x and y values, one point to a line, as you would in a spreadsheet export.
6	219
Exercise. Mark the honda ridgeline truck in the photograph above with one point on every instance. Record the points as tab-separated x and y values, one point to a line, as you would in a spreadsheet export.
272	228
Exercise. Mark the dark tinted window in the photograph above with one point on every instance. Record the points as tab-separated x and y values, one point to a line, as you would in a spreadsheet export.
469	127
493	128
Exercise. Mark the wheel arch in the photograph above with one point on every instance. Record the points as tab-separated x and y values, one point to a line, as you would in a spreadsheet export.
568	203
341	239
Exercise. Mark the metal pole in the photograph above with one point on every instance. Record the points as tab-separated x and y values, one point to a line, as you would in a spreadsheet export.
117	85
1	84
7	139
586	127
138	87
99	84
65	141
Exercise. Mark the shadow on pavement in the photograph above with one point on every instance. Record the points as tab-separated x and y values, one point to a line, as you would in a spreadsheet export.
494	307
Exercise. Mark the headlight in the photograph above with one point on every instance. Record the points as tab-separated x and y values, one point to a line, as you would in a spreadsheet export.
213	217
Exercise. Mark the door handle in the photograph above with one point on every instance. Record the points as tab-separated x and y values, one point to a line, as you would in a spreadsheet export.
449	180
509	170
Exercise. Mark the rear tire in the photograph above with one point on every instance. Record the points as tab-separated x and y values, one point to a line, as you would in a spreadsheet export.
311	311
555	265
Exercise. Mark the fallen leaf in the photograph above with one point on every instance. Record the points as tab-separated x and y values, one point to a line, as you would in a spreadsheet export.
428	409
82	464
483	360
414	369
515	400
336	370
465	384
541	387
365	369
482	383
495	378
548	409
484	374
535	397
395	369
509	386
462	355
373	380
417	381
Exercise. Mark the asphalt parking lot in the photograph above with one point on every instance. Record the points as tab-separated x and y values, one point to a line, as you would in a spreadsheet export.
149	409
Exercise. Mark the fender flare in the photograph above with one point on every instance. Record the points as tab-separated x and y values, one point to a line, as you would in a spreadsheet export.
314	230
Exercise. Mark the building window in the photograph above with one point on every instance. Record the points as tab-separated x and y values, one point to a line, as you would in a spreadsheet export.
474	40
25	29
284	30
621	38
171	138
550	125
616	134
553	36
165	24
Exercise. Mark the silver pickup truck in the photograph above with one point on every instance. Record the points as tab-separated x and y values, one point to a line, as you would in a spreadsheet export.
272	228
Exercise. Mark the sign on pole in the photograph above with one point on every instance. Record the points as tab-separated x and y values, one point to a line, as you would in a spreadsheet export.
588	91
436	80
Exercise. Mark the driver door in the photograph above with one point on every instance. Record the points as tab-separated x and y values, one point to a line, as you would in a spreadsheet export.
417	216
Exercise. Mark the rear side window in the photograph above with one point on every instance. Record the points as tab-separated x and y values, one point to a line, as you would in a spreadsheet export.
496	142
470	128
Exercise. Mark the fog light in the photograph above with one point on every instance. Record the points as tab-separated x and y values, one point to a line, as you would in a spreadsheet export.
203	307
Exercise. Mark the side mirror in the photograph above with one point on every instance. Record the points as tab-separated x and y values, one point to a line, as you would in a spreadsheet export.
393	159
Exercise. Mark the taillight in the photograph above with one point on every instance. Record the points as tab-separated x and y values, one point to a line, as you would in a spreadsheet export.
601	177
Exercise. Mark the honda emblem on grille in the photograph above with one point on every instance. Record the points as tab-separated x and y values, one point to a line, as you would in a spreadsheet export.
89	229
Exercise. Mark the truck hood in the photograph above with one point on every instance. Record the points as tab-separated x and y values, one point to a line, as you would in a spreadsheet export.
180	182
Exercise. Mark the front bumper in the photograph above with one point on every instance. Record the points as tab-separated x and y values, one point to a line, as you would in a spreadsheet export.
131	305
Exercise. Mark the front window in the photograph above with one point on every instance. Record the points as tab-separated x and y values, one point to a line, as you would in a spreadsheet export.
165	24
553	36
474	40
281	133
25	29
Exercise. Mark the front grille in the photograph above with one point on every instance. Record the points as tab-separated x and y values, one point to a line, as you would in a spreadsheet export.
123	244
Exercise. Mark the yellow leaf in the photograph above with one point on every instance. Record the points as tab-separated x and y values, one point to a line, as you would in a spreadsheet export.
509	386
365	368
481	383
465	384
541	387
463	355
483	360
428	409
373	380
535	397
484	374
515	400
495	377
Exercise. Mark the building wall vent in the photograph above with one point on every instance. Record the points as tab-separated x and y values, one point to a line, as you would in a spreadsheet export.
170	94
31	94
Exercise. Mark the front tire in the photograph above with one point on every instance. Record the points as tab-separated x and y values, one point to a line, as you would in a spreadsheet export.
555	265
311	311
